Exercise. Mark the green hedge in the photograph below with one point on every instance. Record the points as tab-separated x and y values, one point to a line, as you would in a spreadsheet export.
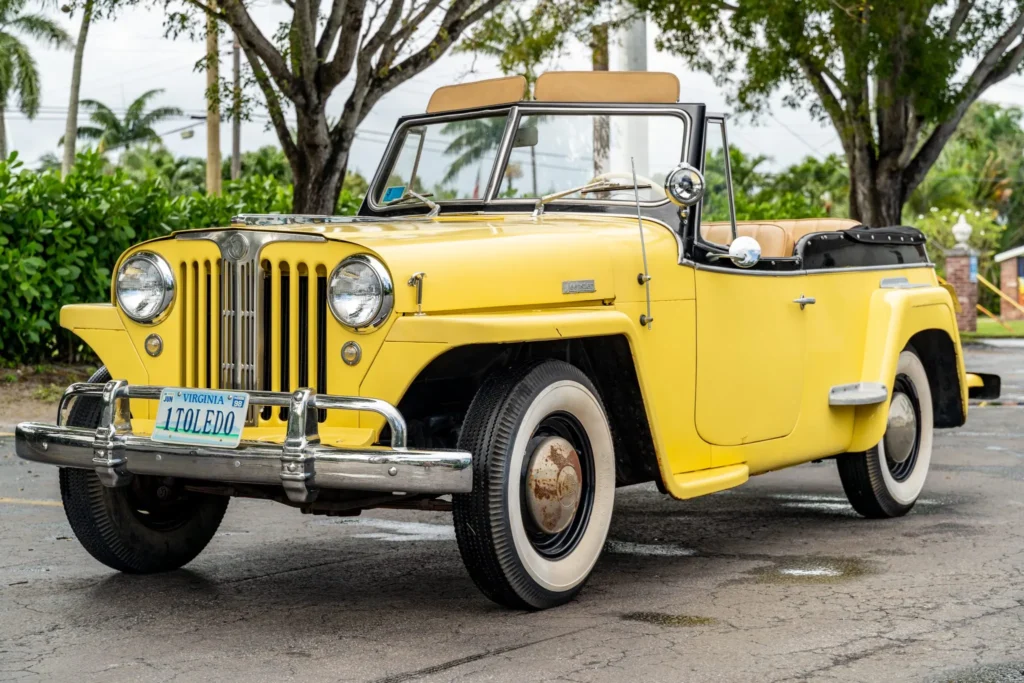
60	239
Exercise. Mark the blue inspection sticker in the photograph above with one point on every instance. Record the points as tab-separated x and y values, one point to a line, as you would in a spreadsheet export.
394	192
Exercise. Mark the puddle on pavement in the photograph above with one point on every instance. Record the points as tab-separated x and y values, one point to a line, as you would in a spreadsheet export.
990	673
838	505
648	549
676	620
396	531
798	570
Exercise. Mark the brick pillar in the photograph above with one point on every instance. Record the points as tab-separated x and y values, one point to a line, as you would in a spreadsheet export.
958	274
1008	283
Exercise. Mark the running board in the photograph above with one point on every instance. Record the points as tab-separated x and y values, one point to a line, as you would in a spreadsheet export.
858	394
703	482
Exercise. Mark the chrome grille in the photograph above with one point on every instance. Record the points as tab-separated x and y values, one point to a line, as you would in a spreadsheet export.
237	313
242	289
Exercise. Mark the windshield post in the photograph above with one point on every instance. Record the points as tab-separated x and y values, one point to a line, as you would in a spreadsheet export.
422	132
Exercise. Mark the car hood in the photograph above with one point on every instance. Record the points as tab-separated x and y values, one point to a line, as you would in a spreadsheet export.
488	262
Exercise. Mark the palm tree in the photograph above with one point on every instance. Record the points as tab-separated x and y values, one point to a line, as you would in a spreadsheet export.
19	76
474	139
111	132
71	124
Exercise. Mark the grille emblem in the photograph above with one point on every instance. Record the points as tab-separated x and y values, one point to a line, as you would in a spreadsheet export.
236	247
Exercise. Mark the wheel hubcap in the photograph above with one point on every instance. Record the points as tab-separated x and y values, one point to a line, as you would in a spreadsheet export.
901	430
553	484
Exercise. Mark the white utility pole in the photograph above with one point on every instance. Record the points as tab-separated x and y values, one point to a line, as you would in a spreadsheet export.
236	115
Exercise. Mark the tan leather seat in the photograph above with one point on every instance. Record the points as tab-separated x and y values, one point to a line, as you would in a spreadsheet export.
767	233
771	237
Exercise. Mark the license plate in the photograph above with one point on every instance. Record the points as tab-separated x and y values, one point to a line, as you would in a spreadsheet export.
201	417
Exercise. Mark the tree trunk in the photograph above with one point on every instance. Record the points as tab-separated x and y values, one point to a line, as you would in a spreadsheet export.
3	132
213	160
876	191
316	184
71	127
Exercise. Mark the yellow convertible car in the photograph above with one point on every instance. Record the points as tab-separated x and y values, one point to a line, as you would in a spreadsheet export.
538	301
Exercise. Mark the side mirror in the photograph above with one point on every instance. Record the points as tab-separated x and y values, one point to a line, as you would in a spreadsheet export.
744	251
684	185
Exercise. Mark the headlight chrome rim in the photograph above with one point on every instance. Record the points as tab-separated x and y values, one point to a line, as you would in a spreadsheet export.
387	299
167	280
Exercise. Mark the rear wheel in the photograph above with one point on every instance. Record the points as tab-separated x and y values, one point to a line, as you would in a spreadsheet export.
543	485
151	525
887	480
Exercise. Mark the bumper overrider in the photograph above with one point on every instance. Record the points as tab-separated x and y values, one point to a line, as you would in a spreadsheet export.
302	465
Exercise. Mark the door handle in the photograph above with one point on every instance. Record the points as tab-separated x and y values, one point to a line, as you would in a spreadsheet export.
805	301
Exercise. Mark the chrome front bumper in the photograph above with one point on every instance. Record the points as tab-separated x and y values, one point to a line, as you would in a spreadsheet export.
302	465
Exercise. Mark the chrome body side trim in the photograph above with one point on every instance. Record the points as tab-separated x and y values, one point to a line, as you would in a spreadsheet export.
793	273
900	283
858	394
302	465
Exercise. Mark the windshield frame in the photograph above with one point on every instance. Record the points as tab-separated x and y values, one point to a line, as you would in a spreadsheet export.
394	148
515	113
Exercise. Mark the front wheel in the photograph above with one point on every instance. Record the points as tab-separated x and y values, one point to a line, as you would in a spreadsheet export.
154	524
887	480
543	485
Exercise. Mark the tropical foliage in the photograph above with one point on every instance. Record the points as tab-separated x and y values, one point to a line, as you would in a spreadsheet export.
59	239
805	190
19	76
894	78
109	131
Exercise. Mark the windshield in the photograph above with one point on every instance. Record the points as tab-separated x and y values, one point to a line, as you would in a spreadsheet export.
445	161
572	150
550	152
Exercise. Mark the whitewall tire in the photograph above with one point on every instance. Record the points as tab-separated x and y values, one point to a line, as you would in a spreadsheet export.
534	526
887	480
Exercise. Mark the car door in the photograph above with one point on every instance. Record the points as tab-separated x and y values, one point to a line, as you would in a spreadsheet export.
751	324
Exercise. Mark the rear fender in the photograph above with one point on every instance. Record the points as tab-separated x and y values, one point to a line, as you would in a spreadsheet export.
895	317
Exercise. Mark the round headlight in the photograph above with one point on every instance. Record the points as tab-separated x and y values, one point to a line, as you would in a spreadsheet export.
360	292
144	287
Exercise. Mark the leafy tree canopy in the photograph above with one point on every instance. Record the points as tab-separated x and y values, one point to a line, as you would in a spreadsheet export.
893	77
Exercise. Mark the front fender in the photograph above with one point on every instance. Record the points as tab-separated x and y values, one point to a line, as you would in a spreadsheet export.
101	328
895	316
662	358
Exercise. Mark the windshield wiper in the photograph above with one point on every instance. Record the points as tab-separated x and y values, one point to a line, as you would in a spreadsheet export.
599	186
416	196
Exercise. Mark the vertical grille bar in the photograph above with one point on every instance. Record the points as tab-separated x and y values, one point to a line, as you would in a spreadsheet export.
278	330
321	337
214	315
293	325
313	328
304	330
202	329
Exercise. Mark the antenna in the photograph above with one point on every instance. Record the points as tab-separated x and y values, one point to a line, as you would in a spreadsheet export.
643	278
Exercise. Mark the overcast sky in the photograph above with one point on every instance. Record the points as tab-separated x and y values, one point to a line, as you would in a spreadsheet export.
126	57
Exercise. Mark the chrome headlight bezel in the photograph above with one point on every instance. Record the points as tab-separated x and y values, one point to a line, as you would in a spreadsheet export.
385	304
167	281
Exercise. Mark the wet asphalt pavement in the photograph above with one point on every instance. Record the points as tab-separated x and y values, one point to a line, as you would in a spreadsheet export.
775	581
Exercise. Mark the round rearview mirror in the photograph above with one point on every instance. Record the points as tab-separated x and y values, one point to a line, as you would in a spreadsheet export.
684	185
745	252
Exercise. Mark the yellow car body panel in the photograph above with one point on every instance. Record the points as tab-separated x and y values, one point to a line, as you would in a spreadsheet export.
734	375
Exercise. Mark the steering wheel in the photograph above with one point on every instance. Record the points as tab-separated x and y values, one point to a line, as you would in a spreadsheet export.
628	177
